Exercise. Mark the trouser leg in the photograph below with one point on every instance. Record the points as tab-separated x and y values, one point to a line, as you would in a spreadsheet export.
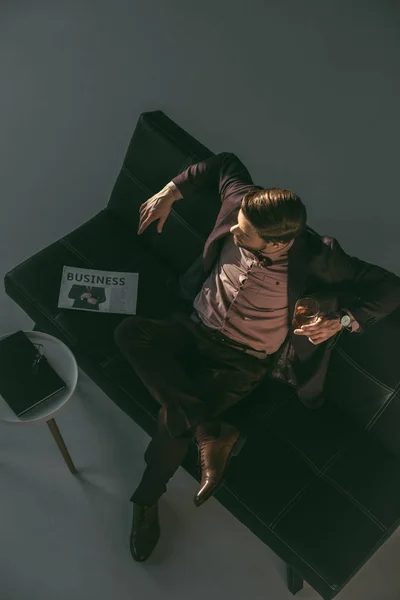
163	457
156	349
165	454
219	378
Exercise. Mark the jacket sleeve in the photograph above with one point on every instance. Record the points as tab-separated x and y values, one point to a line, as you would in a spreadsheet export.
223	173
75	292
368	291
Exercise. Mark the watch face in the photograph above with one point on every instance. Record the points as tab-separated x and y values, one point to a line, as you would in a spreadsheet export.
345	320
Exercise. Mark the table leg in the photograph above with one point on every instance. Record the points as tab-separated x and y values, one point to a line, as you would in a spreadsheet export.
61	444
295	582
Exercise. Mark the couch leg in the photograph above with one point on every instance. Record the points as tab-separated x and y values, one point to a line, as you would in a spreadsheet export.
295	582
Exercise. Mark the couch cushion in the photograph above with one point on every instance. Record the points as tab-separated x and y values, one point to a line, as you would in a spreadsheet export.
363	474
288	445
159	150
363	380
103	242
345	506
330	532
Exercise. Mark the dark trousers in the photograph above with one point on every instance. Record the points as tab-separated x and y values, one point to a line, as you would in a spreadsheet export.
193	376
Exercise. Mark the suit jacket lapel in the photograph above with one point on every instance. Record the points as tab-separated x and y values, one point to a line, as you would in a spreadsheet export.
298	267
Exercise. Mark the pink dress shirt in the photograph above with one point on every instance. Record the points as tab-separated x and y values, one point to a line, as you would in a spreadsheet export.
247	300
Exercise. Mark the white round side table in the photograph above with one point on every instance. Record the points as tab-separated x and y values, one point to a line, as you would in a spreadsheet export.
64	363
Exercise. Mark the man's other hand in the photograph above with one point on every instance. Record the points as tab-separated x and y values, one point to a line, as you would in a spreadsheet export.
322	329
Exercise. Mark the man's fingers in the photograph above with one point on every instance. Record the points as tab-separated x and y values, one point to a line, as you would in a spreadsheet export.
145	223
147	218
314	338
144	206
315	327
144	212
311	330
161	225
316	324
142	226
320	330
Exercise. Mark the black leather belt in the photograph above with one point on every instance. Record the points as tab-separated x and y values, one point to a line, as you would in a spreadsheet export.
214	334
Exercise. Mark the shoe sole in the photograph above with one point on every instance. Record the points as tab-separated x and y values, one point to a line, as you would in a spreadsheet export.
236	448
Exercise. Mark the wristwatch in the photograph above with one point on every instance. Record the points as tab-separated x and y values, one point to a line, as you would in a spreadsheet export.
345	320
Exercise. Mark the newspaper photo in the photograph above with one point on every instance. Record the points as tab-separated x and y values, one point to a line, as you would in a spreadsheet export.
102	291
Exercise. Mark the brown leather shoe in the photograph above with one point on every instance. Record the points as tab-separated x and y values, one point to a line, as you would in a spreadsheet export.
215	455
145	531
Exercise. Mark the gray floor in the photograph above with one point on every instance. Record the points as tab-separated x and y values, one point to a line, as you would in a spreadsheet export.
307	96
70	533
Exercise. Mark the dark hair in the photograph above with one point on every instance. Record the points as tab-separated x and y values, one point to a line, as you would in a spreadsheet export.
277	214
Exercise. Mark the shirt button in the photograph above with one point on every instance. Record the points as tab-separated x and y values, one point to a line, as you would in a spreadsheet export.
277	282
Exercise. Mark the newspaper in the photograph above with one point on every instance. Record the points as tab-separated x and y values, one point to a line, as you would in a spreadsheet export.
101	291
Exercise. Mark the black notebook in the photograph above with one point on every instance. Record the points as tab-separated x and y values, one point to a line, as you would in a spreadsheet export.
26	377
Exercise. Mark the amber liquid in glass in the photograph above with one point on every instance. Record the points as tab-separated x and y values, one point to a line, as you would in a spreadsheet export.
303	316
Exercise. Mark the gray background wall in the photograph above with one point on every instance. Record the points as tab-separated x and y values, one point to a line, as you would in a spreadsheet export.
306	94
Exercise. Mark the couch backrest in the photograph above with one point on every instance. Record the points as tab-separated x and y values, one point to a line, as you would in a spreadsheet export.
363	379
158	151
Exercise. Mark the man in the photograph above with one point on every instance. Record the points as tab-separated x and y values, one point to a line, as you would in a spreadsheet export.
258	261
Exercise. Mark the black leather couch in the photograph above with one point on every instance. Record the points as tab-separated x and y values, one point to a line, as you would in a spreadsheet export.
321	488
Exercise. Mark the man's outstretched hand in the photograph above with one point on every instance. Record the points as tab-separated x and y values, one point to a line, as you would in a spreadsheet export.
322	329
158	207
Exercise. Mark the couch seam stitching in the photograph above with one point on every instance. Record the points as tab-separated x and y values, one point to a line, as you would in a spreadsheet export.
281	539
363	371
382	409
359	504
